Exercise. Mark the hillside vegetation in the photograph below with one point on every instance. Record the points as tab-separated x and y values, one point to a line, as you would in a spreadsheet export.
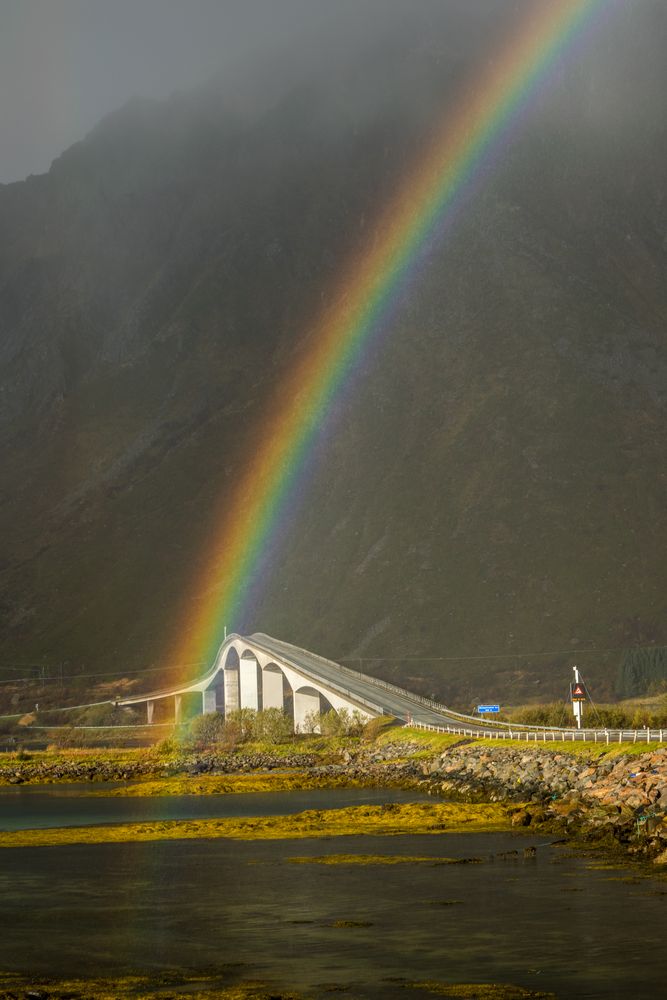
493	482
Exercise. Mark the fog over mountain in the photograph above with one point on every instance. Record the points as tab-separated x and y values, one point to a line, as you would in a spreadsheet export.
496	482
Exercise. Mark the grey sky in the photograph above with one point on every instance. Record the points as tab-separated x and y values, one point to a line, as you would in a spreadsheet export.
65	63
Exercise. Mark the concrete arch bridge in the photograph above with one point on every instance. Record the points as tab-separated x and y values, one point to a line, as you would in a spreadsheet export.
260	672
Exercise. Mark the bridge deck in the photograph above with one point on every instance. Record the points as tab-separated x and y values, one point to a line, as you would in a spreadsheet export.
392	702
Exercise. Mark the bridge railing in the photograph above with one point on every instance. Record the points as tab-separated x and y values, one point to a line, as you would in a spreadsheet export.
435	705
552	735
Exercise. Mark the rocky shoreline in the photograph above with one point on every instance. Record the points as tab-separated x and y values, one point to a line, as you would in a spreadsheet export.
613	801
42	769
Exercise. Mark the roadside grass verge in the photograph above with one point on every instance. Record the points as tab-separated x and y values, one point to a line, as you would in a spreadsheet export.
429	741
594	751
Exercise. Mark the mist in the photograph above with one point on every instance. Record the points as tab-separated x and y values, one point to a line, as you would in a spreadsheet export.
66	63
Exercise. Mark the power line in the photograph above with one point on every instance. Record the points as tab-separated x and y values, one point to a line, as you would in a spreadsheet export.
490	656
73	677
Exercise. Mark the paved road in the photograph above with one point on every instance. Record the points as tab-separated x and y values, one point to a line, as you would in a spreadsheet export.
389	700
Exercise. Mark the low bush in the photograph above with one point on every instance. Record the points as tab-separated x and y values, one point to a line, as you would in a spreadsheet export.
605	716
244	725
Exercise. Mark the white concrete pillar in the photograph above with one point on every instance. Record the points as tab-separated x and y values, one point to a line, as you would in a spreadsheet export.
209	701
272	688
305	701
248	682
178	708
150	708
232	703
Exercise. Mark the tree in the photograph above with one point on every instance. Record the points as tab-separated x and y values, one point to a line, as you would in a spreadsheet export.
311	723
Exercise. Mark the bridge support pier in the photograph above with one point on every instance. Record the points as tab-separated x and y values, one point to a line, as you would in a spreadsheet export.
231	690
272	688
209	701
178	709
248	669
305	703
150	709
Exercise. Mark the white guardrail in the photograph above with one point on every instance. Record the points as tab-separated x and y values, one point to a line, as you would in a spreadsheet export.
553	735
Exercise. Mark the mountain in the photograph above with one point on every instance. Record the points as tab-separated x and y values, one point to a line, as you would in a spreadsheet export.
491	504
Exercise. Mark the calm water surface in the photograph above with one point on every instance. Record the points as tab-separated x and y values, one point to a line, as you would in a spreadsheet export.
28	807
548	922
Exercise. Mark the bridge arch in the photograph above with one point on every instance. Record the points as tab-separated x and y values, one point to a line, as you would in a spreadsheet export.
249	680
231	660
252	674
306	703
231	671
274	683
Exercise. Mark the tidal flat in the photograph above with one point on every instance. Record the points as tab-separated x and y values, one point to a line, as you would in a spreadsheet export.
386	820
177	863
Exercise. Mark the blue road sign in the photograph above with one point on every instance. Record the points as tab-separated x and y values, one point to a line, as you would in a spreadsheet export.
488	708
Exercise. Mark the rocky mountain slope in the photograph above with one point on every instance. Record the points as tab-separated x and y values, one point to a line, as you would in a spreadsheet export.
496	483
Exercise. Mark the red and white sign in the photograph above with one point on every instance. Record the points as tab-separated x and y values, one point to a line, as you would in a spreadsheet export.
577	691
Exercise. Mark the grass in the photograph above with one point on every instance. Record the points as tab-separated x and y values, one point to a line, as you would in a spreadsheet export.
185	985
437	742
380	859
191	985
427	740
231	784
481	991
64	765
352	923
590	751
388	820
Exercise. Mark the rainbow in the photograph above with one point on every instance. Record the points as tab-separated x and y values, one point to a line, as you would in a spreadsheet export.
425	207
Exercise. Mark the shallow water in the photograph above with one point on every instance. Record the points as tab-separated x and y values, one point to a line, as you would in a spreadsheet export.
546	922
30	807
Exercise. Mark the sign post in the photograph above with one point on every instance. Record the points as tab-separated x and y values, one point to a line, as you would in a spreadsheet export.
487	708
578	697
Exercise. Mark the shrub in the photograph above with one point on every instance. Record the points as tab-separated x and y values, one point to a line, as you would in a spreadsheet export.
273	726
168	746
208	728
556	714
311	723
355	723
242	723
331	723
241	726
